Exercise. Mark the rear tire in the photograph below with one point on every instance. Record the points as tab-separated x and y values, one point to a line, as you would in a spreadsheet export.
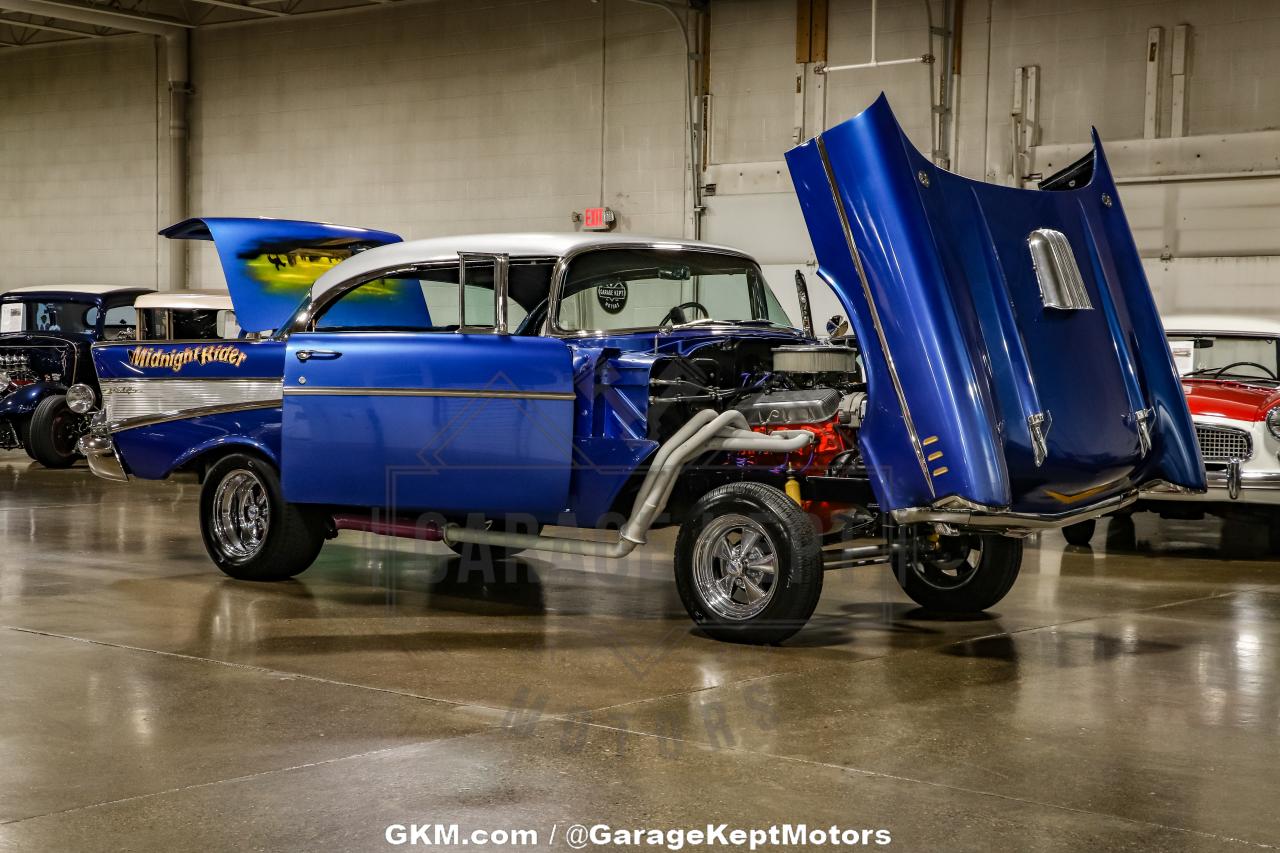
968	574
748	564
52	433
249	530
1081	532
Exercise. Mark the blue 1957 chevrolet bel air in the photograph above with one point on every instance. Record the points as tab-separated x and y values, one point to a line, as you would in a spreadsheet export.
1007	374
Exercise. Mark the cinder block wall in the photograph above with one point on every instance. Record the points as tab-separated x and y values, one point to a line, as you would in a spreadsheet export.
444	118
78	164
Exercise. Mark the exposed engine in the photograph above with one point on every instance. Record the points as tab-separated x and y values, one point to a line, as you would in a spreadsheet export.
818	388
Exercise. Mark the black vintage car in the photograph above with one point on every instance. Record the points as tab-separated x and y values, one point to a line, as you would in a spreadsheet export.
45	335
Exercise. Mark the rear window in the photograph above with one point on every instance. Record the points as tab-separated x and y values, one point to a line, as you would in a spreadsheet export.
62	316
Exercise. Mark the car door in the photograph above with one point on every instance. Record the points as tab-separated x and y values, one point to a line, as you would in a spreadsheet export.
406	393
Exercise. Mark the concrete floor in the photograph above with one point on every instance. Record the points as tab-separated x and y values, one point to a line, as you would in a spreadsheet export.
1120	698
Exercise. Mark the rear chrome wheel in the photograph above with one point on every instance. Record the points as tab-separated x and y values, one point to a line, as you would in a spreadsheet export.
748	564
241	515
249	530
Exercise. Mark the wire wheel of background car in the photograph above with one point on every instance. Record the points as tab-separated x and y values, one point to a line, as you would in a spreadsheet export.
962	574
249	530
470	552
749	564
53	432
1081	532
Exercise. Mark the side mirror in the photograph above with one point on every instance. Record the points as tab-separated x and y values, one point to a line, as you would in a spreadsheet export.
837	326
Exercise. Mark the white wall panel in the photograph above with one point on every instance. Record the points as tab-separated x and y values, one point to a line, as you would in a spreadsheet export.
78	164
444	118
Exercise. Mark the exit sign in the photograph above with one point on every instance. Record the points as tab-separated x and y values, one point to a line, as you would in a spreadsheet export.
597	219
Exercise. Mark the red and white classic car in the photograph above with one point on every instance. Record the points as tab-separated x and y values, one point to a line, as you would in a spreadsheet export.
1230	369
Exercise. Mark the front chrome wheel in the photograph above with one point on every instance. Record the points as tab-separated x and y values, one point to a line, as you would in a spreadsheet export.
735	567
241	515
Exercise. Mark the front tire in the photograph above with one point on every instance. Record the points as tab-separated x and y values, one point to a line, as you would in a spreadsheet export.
52	433
748	564
249	530
965	574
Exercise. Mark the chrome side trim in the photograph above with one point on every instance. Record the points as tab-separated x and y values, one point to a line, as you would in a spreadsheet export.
187	414
1057	273
1012	522
484	393
875	316
127	400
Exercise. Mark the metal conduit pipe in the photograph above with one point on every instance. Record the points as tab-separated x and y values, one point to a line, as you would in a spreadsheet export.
706	430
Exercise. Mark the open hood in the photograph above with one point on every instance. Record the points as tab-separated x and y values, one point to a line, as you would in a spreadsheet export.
1015	359
270	264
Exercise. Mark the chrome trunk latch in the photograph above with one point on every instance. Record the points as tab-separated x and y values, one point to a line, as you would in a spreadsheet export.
1142	419
1039	424
1233	479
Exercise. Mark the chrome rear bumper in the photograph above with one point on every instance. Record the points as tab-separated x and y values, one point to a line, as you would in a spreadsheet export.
100	451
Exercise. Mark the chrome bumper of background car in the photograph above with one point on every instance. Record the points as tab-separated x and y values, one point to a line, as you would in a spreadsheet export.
1010	522
100	450
1234	481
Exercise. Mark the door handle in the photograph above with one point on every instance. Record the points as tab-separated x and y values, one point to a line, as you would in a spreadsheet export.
324	354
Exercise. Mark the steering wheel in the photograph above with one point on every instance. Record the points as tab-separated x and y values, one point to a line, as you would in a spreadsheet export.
676	315
1221	370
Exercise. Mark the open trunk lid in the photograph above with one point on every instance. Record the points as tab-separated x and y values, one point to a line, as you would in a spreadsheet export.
270	264
1016	362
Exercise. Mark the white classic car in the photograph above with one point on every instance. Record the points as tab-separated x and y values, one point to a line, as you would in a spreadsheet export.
186	315
1230	369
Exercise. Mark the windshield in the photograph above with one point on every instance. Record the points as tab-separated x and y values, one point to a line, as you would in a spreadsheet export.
615	290
49	315
1225	356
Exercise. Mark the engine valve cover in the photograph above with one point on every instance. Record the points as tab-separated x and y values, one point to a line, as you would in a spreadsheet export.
774	408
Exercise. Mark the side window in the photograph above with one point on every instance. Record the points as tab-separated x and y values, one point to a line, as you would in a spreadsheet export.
425	300
119	323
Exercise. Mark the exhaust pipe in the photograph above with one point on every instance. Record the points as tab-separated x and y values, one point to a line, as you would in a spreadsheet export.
706	430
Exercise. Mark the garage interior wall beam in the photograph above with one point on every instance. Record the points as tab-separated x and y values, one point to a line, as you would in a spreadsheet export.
99	16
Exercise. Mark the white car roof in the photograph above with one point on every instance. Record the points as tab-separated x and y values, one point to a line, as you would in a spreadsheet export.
515	245
99	289
214	300
1221	323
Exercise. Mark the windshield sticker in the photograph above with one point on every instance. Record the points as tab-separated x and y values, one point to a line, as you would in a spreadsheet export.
612	296
176	359
11	319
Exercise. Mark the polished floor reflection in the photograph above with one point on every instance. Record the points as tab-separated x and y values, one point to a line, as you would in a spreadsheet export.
1123	697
